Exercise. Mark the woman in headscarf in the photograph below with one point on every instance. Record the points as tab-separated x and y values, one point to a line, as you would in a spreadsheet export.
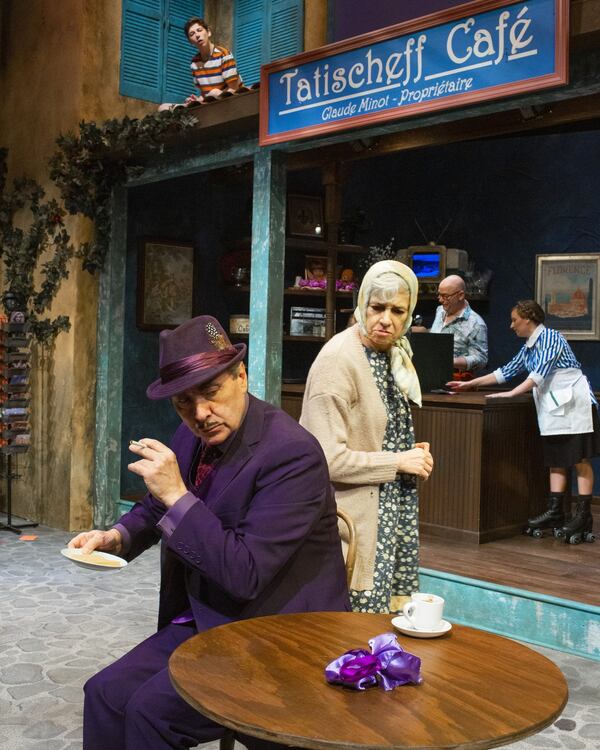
357	404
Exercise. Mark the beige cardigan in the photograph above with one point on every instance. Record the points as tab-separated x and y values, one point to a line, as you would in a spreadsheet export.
343	409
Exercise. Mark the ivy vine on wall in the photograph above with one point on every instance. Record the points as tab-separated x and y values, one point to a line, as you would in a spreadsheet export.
21	250
85	167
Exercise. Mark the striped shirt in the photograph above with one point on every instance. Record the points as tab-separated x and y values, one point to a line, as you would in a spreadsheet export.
218	72
544	351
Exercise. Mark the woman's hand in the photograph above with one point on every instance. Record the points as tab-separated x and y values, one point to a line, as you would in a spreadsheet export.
418	461
462	385
105	541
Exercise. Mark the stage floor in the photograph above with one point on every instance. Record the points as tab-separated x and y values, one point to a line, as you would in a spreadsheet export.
548	565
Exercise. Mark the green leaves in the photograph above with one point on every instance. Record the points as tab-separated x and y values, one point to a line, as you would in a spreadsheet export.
24	240
85	167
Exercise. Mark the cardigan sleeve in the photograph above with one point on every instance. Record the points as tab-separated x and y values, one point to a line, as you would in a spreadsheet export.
326	416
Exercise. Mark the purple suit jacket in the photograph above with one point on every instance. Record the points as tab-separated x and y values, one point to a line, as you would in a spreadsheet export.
263	537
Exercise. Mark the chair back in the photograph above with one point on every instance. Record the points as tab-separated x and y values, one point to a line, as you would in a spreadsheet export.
351	553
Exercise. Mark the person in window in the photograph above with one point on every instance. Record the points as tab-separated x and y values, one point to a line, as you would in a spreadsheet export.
214	69
245	512
455	315
567	414
357	404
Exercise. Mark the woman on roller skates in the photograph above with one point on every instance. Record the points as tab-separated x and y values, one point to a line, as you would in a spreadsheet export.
567	416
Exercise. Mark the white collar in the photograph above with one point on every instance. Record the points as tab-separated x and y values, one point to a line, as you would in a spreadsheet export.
535	336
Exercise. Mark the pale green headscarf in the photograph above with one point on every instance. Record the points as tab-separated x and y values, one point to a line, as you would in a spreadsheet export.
403	370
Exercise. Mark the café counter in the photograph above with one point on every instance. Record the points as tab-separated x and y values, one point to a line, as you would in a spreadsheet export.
488	476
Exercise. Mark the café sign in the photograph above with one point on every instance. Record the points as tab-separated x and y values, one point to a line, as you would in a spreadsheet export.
470	53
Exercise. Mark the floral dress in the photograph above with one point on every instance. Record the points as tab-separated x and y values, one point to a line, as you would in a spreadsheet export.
397	553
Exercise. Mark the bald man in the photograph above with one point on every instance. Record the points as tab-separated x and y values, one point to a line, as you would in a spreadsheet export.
455	315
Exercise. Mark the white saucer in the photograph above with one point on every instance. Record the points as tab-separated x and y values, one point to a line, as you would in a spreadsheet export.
95	560
404	626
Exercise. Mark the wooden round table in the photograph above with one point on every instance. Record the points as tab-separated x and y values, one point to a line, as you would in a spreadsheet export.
265	677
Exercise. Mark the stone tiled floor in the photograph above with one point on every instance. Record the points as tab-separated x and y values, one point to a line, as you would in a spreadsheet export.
60	623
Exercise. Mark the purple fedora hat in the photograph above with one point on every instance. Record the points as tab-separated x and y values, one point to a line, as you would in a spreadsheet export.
193	354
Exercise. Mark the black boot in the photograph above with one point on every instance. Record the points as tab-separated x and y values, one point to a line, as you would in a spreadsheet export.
553	518
579	528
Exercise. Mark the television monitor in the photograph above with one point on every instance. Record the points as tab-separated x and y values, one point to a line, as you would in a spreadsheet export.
428	262
433	358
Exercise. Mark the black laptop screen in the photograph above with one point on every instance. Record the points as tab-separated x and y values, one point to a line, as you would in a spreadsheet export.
433	357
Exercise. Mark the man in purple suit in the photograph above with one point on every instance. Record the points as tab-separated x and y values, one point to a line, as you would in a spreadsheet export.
245	512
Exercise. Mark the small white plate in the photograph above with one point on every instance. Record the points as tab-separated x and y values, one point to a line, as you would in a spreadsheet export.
95	560
404	626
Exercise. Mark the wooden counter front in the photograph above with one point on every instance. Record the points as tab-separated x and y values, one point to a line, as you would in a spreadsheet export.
488	476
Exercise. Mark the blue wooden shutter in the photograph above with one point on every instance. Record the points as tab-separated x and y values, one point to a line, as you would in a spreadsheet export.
248	22
286	35
265	30
142	54
179	52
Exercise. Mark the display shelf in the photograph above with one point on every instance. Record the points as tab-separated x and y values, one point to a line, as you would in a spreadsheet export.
12	402
298	351
12	449
285	337
299	291
11	388
14	370
15	429
318	247
15	327
238	287
311	339
15	343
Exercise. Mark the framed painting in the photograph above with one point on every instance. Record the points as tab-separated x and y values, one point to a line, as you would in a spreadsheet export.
566	287
305	216
165	284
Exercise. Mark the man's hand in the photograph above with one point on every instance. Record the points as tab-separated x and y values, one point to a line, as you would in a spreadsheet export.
417	461
193	98
159	469
105	541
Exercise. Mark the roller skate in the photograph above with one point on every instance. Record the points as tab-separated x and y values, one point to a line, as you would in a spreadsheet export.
579	528
551	519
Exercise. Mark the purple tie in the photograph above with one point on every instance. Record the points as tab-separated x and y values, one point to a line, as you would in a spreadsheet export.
206	464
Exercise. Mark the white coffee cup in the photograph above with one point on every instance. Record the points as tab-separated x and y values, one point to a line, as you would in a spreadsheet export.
424	611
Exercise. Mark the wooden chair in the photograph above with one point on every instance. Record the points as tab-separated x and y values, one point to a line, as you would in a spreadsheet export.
227	741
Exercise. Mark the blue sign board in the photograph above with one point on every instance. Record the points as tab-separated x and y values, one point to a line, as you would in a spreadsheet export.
507	48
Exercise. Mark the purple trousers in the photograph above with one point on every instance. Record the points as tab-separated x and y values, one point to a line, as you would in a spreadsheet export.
131	704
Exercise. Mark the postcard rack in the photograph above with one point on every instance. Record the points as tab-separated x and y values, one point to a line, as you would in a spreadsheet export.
15	434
